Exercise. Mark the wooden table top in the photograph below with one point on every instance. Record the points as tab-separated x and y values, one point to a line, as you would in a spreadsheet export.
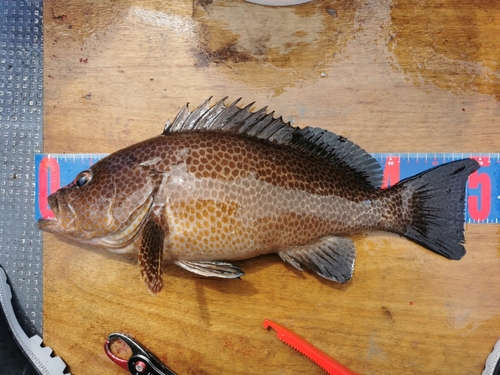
400	76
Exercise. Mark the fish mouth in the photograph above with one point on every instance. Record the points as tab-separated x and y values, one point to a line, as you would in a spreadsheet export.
51	224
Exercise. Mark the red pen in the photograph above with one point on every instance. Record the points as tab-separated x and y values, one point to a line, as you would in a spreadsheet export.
323	360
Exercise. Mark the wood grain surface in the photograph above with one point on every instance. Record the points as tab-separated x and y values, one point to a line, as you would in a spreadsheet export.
400	76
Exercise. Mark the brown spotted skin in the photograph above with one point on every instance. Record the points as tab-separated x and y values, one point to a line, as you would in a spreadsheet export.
223	196
224	183
234	197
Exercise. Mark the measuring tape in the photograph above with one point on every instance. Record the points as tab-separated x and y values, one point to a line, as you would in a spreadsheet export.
483	188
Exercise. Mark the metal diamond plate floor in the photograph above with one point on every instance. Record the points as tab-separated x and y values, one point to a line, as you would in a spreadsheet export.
21	134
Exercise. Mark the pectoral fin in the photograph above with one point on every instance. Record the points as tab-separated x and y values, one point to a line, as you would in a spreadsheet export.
331	257
212	268
151	254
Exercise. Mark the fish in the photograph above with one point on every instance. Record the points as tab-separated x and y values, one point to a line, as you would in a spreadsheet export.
223	183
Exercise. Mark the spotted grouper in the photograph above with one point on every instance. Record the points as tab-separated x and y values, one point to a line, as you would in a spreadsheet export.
224	183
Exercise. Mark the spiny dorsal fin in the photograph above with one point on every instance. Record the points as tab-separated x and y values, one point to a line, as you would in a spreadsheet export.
262	125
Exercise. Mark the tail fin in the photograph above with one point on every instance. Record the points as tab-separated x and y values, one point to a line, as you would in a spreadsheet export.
436	200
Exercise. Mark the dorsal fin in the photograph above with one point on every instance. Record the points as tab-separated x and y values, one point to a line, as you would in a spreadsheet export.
262	125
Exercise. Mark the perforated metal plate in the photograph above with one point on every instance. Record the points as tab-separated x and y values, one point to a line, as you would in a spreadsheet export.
21	127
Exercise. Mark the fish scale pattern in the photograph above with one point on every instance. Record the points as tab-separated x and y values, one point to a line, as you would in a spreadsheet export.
223	183
235	197
225	196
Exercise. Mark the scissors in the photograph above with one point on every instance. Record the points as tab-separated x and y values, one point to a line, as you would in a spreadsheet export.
144	362
140	362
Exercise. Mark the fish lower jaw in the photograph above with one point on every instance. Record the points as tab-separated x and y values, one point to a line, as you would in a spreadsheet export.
46	221
53	225
50	225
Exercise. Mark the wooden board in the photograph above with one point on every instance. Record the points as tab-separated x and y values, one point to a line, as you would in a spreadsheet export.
396	76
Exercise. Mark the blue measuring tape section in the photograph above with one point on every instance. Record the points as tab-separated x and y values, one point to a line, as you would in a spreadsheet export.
483	190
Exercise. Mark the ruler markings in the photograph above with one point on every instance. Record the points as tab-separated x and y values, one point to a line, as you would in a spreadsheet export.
483	192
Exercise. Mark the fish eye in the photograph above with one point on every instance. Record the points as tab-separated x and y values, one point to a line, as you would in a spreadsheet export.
83	178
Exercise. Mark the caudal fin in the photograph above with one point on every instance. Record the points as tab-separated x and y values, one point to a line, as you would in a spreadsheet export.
436	207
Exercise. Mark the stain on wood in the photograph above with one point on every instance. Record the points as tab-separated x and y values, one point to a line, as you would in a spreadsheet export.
286	45
444	44
387	313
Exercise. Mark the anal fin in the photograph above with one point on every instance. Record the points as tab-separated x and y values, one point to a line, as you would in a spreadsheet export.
212	268
330	257
151	254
